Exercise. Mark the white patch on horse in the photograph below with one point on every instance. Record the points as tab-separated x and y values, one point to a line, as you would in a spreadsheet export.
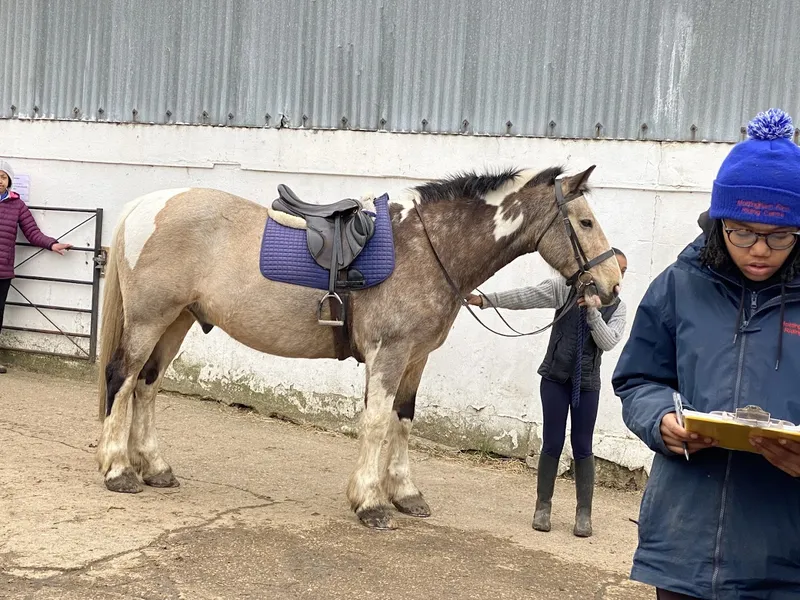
364	488
504	226
143	443
496	197
115	472
405	200
140	222
112	450
374	423
397	482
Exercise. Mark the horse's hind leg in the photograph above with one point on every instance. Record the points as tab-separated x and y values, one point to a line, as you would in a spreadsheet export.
385	368
121	376
143	444
396	481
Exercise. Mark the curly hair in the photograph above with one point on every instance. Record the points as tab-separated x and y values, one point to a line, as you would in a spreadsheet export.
715	253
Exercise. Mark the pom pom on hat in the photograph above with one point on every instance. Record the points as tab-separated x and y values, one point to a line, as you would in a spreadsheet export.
770	125
759	180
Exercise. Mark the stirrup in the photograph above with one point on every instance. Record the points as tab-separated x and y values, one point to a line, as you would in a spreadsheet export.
330	323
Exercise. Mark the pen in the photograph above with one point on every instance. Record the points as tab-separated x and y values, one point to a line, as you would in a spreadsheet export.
676	398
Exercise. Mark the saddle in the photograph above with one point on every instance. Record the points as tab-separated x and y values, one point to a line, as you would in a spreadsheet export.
336	233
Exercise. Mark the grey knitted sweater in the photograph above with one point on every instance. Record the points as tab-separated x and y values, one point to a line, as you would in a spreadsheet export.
552	293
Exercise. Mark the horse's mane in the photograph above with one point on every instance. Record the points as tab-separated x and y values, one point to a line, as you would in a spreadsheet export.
472	186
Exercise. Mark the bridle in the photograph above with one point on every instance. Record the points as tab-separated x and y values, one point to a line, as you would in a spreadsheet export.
578	281
582	275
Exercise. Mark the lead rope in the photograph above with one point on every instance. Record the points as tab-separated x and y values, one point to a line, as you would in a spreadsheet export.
583	329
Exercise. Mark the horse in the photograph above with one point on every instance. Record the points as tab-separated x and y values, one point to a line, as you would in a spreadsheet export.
191	255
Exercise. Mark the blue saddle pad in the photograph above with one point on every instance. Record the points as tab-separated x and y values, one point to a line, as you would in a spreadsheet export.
285	256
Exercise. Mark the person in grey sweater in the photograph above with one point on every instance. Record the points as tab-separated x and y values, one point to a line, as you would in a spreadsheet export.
570	384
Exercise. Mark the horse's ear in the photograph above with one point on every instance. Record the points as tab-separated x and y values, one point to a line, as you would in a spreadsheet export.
576	184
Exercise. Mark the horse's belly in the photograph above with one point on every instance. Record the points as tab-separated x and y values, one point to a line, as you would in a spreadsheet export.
291	343
274	318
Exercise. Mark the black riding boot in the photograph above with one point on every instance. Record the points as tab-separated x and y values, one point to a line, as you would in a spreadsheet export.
584	489
546	481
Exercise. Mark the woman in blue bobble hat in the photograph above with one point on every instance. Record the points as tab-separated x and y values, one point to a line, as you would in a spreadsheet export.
721	326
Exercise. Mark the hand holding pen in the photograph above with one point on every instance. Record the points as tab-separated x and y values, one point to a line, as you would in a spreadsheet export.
676	398
676	438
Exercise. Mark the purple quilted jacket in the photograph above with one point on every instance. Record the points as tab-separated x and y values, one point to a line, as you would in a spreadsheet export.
14	212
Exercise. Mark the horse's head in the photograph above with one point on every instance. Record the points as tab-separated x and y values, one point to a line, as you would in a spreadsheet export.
568	236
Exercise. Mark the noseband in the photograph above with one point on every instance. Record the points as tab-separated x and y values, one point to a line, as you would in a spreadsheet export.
577	282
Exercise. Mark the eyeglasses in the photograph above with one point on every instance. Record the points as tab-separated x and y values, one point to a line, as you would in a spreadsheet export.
778	240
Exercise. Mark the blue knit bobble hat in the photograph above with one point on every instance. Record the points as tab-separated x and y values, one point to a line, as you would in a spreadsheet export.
759	180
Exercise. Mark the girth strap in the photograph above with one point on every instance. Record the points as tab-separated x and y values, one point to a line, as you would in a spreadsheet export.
338	299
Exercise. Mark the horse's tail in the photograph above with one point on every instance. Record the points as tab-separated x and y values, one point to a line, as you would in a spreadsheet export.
112	320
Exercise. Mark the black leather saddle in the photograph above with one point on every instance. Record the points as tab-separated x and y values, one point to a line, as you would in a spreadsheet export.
336	233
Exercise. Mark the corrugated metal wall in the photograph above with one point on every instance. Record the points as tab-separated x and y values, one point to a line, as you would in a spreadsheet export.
655	69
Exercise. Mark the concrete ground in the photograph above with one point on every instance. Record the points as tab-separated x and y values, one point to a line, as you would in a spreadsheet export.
261	513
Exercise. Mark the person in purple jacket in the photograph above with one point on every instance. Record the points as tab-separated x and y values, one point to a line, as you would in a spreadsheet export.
14	213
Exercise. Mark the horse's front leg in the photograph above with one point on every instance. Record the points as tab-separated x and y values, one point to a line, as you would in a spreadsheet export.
396	482
385	369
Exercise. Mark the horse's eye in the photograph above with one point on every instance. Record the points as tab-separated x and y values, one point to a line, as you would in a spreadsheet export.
587	223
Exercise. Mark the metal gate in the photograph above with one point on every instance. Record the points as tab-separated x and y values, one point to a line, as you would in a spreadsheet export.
96	264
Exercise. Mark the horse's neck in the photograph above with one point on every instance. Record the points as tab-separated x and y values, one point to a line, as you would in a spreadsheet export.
463	236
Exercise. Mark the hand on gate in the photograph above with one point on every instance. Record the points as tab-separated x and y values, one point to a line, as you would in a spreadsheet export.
674	435
59	247
783	453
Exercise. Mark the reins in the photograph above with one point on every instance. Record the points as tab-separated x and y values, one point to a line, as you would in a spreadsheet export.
577	281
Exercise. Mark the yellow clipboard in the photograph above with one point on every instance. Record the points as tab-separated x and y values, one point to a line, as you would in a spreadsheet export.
733	430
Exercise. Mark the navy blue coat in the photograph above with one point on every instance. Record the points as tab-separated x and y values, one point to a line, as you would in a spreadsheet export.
725	524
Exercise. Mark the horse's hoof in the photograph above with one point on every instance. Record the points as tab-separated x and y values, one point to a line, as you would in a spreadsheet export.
377	517
125	483
414	506
165	479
